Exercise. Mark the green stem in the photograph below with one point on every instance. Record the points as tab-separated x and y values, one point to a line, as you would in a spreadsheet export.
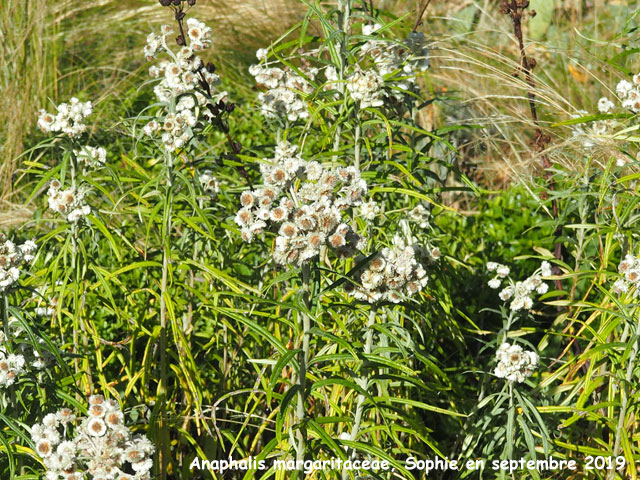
303	359
356	145
165	448
625	400
343	24
363	382
5	316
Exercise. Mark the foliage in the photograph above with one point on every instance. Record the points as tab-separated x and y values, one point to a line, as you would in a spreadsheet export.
291	263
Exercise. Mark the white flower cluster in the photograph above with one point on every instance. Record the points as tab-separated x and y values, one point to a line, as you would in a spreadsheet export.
369	210
29	357
306	200
502	271
98	446
629	93
404	59
209	183
12	256
68	202
419	215
198	32
514	363
605	105
69	119
93	157
520	292
366	87
629	96
630	269
11	364
282	98
394	274
181	78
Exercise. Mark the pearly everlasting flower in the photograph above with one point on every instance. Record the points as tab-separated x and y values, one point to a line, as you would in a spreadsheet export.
369	210
397	62
605	105
420	216
23	359
91	156
11	366
545	269
209	183
629	268
515	364
182	77
369	29
365	87
199	34
12	257
92	448
261	53
305	202
68	120
284	92
623	88
501	271
394	274
520	293
68	202
46	307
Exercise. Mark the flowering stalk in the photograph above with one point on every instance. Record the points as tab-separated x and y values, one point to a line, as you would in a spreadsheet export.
301	432
5	315
344	15
510	424
165	449
363	382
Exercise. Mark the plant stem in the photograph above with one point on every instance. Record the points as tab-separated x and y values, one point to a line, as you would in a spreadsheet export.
515	11
302	375
625	400
356	145
363	382
166	260
5	316
420	14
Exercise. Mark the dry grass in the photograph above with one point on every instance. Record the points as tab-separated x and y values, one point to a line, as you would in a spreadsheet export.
477	64
25	34
55	49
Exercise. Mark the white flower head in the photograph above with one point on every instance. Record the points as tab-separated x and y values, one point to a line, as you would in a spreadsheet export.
99	445
305	202
69	119
605	105
623	88
515	364
12	258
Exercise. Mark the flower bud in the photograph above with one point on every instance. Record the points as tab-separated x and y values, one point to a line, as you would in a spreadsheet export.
165	3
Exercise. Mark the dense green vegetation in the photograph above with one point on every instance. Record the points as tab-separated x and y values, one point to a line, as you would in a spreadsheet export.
388	236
